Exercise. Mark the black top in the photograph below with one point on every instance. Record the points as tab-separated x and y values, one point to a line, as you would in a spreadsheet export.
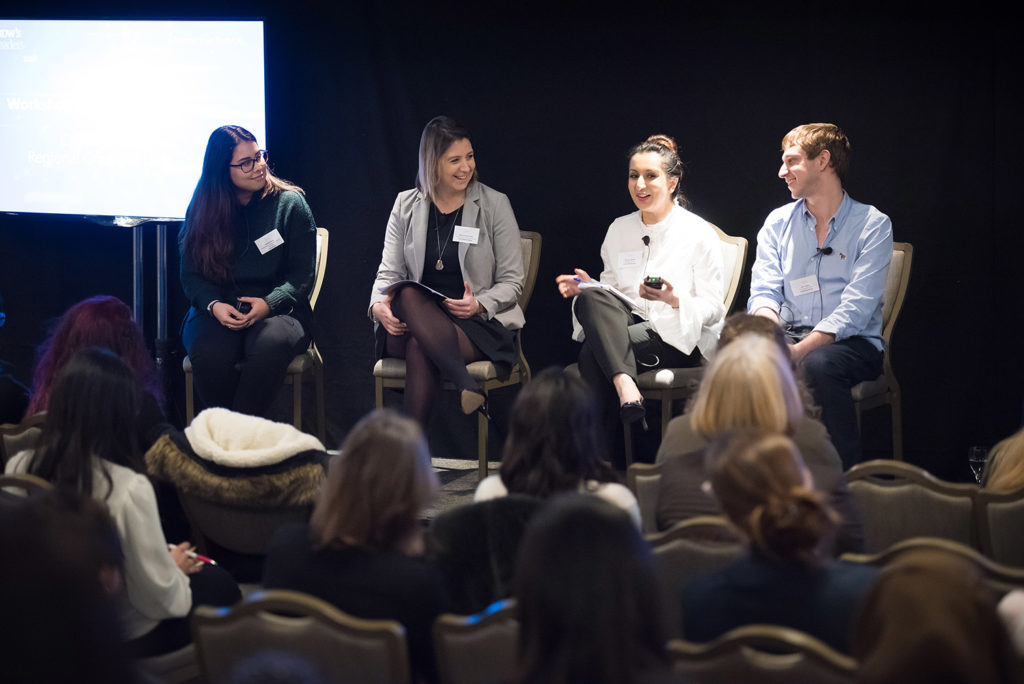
821	602
448	281
385	585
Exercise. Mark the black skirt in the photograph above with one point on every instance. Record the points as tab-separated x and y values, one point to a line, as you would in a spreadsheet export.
496	342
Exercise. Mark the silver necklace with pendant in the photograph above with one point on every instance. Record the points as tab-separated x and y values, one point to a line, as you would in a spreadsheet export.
439	266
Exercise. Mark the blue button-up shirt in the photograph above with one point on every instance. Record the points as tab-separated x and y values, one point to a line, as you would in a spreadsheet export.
851	279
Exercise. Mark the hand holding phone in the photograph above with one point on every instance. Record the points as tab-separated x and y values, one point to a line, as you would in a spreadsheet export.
654	282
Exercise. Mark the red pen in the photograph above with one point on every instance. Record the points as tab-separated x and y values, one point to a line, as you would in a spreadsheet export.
192	554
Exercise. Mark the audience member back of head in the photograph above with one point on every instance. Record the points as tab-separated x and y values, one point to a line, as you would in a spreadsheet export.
787	576
588	603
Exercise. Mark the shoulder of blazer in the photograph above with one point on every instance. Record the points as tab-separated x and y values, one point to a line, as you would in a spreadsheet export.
410	197
484	195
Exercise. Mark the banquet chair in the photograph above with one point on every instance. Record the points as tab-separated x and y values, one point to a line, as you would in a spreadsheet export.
999	520
345	648
767	654
884	389
309	361
390	372
644	480
687	550
999	576
899	501
477	649
15	437
16	487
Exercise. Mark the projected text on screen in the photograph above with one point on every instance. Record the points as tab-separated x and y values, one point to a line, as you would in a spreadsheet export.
111	118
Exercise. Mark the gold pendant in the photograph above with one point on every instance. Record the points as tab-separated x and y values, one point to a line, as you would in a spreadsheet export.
439	266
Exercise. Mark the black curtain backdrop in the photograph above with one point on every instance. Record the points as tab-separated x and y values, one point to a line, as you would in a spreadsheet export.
554	96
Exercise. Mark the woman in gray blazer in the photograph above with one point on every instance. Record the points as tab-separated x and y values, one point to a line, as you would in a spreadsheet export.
449	279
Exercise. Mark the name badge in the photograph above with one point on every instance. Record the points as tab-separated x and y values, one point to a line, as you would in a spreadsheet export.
269	241
805	285
466	234
629	259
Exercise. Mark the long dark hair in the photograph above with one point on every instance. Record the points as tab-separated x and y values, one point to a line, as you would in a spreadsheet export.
554	438
214	209
91	415
587	597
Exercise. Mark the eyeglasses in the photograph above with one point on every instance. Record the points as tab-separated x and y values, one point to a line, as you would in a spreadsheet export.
245	166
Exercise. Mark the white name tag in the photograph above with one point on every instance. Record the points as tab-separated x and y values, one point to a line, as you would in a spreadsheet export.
629	259
466	234
805	285
269	241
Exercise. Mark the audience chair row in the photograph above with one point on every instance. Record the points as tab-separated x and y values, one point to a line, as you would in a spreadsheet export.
900	501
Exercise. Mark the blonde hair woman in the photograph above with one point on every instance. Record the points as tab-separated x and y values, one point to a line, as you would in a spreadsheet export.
1004	473
750	384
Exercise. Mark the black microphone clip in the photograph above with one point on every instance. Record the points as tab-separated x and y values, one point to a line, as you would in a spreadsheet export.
647	240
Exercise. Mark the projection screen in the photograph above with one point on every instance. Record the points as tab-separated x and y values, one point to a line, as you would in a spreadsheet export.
111	118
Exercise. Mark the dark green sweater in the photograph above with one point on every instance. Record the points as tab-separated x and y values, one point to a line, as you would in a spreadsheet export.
283	276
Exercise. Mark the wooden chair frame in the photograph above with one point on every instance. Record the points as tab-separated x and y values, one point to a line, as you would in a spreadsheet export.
294	605
499	613
1000	576
772	647
13	430
891	308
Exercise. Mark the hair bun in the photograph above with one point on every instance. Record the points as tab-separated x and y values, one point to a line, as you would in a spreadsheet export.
663	140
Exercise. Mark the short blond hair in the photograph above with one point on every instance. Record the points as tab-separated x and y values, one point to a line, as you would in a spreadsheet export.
748	385
1006	465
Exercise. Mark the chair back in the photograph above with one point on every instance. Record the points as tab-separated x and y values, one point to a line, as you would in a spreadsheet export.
899	501
531	244
236	528
1000	577
644	480
320	269
477	649
734	259
1000	519
767	654
15	437
679	559
896	287
343	648
16	487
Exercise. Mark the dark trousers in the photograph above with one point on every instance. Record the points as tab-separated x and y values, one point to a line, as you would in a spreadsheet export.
211	586
616	341
241	369
830	372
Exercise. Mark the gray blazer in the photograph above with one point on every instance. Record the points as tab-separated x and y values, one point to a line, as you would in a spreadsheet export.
493	267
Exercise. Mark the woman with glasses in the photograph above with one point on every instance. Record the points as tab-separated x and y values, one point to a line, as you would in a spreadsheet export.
247	266
459	241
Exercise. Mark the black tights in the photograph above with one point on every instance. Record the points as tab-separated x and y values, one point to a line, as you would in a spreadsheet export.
433	347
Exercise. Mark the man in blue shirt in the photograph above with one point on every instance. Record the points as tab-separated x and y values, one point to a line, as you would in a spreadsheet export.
821	267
